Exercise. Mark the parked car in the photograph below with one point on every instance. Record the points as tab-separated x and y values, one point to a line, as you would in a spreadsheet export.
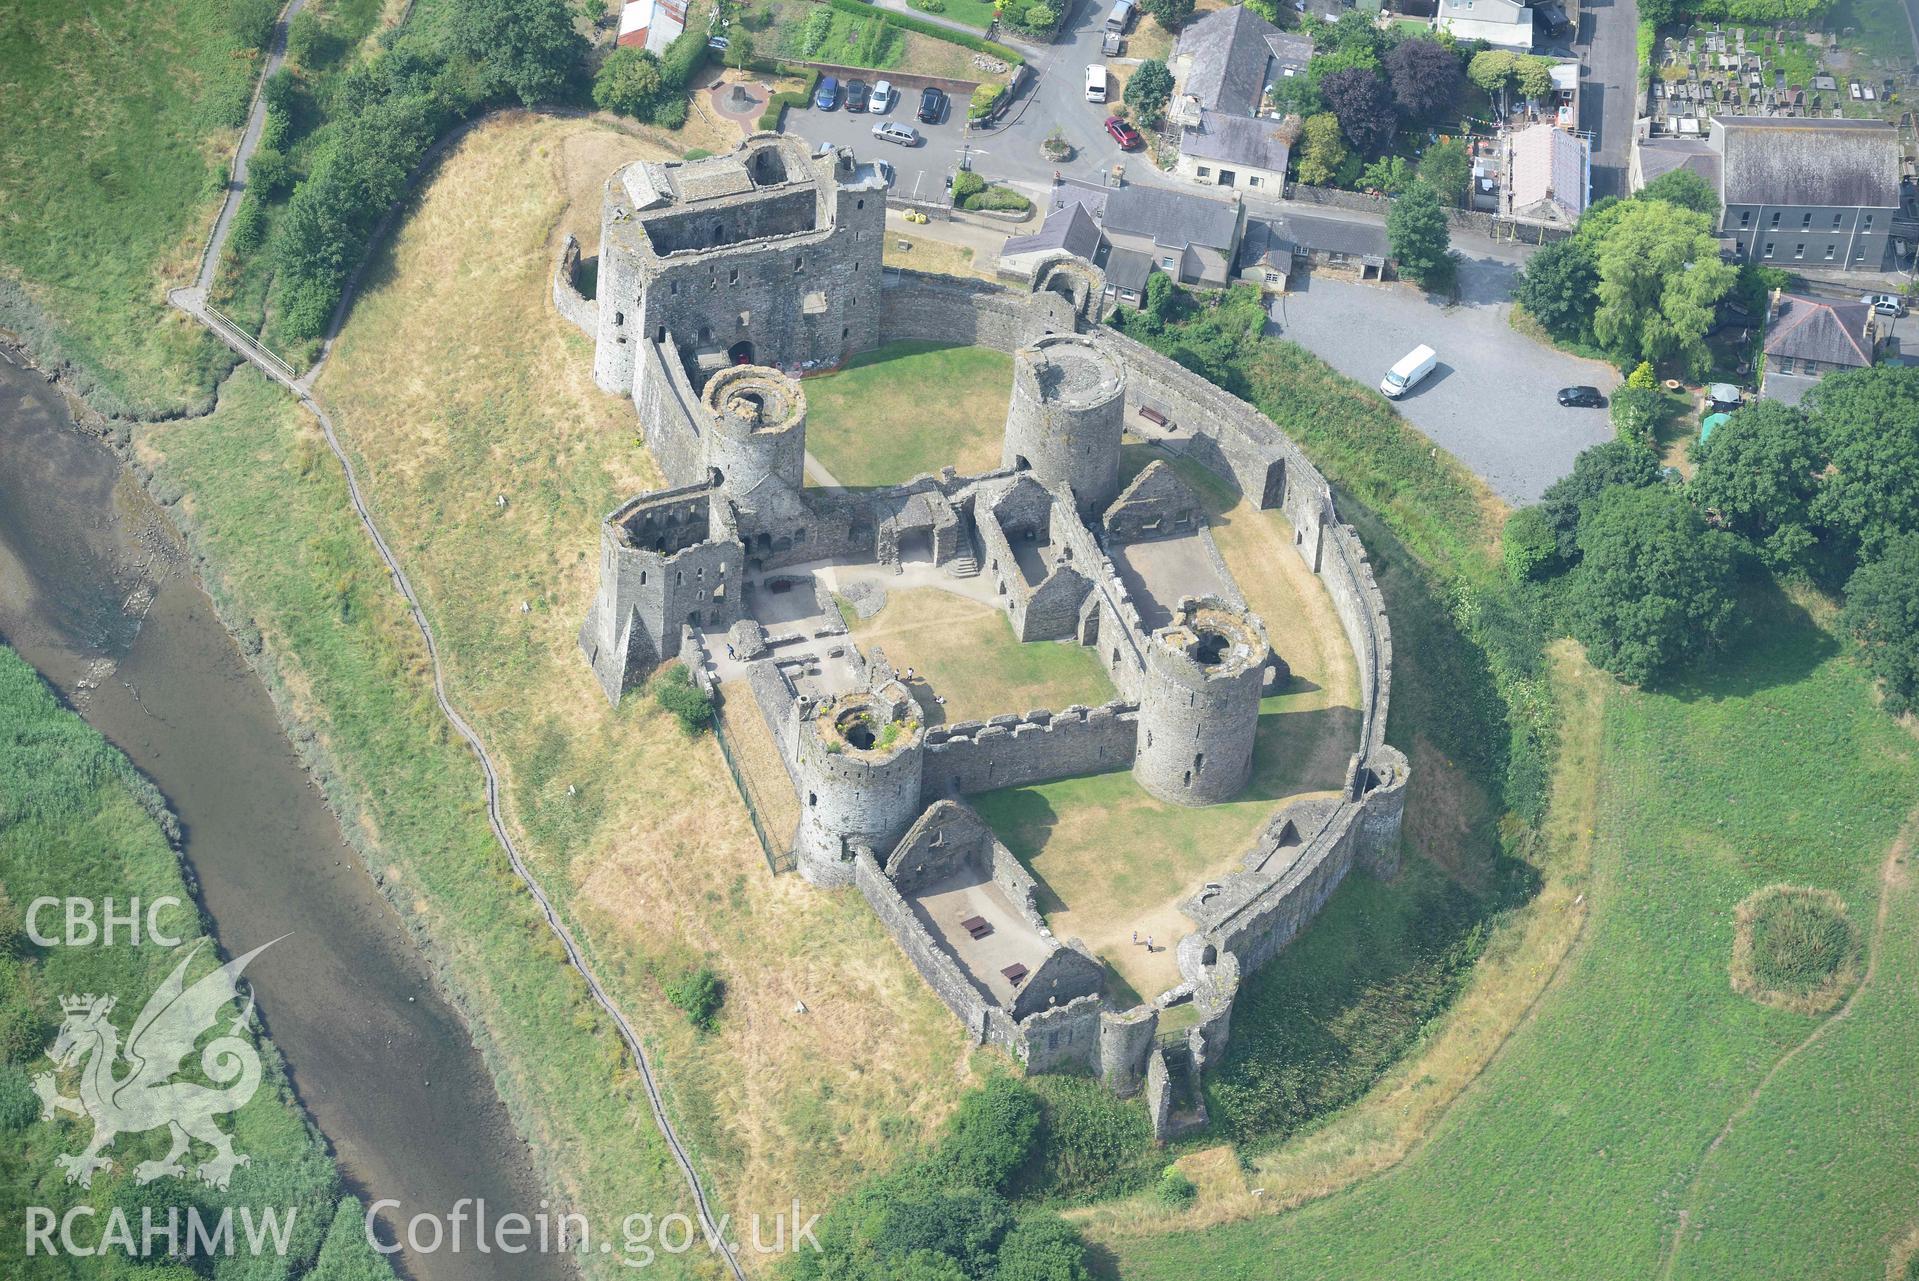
1112	44
904	135
882	98
827	96
932	105
856	94
1096	82
1885	304
1581	398
1124	134
1404	376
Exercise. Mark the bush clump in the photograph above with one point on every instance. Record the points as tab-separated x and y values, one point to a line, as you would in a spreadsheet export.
698	994
679	697
1174	1189
1794	948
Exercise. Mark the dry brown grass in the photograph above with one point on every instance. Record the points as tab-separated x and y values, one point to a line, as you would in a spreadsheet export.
455	381
1519	964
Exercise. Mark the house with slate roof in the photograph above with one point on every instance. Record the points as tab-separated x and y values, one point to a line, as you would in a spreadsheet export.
1804	193
1222	66
1129	232
1808	338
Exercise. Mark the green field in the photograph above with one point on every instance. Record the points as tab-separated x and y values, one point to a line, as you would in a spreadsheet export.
77	820
908	409
118	130
1592	1137
973	13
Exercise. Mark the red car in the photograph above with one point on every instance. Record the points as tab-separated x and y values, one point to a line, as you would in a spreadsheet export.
1124	134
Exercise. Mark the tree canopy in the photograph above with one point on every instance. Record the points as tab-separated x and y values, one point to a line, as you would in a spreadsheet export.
1425	76
1758	475
1660	281
1615	462
527	47
1868	422
628	82
1364	107
1323	150
1556	287
1882	614
1447	170
1421	243
1684	188
1171	14
1148	90
1653	588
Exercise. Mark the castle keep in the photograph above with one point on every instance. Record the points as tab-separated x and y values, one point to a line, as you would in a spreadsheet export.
720	282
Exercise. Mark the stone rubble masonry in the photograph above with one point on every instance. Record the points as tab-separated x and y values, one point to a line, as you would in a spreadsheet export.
1039	747
1067	417
1158	504
858	757
715	276
1199	712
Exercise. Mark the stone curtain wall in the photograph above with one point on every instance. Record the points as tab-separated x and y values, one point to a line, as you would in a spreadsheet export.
972	313
1039	747
941	972
1458	219
567	298
669	414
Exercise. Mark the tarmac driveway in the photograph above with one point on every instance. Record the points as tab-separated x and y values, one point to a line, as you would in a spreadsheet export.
1490	399
919	173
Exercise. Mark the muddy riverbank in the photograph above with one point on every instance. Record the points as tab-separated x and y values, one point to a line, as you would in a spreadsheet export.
98	593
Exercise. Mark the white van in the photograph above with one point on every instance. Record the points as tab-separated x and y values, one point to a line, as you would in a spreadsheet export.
1096	82
1412	367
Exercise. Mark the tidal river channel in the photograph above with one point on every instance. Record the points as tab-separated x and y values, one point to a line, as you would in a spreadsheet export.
97	593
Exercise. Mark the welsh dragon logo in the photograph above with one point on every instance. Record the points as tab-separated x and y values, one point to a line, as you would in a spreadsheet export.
147	1097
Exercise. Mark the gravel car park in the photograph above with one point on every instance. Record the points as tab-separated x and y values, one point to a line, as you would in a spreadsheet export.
1490	399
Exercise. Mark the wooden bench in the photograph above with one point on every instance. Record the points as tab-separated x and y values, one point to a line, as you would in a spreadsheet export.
978	926
1015	973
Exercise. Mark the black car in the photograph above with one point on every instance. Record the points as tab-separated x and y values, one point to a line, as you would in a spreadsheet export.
1581	398
932	105
856	92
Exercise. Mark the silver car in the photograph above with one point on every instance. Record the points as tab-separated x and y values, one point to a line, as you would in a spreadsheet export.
1885	304
904	135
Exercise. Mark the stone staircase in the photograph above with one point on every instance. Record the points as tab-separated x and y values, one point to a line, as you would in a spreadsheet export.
963	566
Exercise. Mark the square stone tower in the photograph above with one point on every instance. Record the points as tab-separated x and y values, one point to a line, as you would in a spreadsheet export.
768	255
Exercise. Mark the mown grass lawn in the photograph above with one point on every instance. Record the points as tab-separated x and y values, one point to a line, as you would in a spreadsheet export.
908	409
77	821
1582	1146
966	652
119	121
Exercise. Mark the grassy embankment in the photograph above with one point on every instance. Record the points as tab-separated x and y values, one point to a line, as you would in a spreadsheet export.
908	409
1643	1092
119	126
453	388
76	820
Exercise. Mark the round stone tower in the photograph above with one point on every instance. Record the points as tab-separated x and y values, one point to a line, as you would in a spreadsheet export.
1068	410
858	762
1199	705
758	428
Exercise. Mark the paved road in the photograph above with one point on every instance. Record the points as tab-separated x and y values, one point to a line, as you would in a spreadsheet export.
1490	401
1608	45
919	172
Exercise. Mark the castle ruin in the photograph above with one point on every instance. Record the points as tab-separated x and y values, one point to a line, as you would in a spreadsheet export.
720	283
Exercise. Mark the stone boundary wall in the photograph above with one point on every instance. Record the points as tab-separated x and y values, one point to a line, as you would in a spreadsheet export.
1485	224
942	973
1039	747
567	298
